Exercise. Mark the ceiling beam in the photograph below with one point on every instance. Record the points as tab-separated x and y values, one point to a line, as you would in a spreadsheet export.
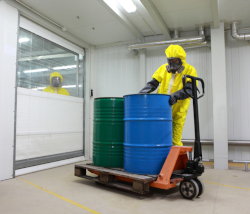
155	15
215	11
123	20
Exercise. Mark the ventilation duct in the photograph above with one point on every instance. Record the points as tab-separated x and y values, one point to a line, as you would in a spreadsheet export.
236	35
185	41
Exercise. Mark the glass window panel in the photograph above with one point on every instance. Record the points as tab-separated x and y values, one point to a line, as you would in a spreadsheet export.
38	58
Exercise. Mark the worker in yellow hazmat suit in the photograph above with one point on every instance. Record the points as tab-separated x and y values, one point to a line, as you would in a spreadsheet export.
169	76
55	84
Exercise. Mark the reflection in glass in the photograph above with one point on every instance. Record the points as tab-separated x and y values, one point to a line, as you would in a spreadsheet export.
56	80
40	60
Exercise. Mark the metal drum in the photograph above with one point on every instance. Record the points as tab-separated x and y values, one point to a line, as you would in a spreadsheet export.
147	132
108	134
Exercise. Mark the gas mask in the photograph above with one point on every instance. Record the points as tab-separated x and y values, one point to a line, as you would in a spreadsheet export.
56	81
174	65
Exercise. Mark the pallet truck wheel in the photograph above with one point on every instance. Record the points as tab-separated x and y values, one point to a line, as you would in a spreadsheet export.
200	185
189	189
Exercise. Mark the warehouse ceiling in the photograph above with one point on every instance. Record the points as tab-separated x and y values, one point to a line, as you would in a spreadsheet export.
96	24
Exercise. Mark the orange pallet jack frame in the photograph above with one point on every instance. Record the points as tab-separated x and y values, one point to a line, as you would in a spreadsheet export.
175	161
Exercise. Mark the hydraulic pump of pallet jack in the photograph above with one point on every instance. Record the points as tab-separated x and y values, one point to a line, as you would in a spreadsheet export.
195	166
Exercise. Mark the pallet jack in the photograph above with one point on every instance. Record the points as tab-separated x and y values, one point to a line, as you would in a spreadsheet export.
176	169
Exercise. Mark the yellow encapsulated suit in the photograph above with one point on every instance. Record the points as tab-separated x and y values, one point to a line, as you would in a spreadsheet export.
179	109
56	90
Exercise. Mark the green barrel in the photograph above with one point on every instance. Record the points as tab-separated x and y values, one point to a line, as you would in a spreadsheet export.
108	132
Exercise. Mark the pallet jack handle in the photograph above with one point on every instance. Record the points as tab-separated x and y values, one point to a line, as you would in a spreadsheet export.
197	143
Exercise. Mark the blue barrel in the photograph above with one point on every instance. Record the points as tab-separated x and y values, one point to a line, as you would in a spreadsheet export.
147	132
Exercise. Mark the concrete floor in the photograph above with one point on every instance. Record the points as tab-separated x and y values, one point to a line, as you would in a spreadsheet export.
59	191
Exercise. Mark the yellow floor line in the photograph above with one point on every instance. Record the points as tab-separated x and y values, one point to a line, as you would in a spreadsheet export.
226	185
61	197
229	164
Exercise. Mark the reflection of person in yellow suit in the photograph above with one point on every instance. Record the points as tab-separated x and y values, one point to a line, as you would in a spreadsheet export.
55	84
170	77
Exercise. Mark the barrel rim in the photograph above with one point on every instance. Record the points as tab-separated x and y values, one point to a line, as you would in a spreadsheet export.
98	98
145	94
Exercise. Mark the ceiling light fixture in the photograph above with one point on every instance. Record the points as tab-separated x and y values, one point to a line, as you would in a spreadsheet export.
69	86
64	67
111	4
21	40
128	5
36	70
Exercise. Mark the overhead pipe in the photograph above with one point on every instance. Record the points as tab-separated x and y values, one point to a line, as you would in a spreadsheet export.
236	35
180	41
197	45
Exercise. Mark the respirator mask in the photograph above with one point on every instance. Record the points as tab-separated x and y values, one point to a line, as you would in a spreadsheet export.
174	65
56	81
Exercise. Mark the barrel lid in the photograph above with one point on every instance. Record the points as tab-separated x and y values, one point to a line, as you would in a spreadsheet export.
98	98
146	94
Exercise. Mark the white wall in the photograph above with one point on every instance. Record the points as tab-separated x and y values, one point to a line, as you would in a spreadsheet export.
117	72
238	96
8	43
47	124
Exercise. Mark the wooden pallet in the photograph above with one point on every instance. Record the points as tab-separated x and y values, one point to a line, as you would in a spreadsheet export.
107	176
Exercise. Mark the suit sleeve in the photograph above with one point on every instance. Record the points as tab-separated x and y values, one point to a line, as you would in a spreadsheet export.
159	74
